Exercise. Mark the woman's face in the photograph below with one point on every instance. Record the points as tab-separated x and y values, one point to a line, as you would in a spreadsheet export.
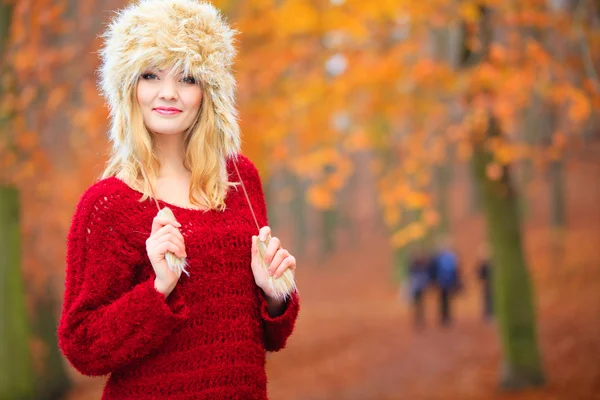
169	103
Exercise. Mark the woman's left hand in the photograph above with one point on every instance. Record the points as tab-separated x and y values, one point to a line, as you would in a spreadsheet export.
277	258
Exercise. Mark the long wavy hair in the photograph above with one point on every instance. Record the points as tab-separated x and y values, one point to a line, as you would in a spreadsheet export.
205	156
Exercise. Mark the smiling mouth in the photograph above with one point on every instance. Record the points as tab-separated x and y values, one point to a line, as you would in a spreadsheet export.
167	111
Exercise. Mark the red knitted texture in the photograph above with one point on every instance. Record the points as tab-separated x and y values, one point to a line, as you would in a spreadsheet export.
208	339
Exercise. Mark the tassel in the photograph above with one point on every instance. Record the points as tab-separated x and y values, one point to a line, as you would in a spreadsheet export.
284	284
175	264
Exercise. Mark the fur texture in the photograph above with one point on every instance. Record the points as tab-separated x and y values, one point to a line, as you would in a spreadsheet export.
191	36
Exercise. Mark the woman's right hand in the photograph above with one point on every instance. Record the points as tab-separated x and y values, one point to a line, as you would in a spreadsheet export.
165	236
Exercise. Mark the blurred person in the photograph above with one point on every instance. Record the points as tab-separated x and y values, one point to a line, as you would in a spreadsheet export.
418	281
448	280
432	269
166	73
484	273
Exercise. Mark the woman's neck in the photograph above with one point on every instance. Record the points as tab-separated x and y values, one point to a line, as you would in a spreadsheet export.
171	153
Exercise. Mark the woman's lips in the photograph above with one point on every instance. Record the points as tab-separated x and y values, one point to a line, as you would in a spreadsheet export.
167	111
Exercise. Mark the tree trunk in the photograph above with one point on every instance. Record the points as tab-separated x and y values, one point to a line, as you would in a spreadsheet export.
16	369
512	287
52	381
5	18
17	375
400	267
299	215
48	379
329	220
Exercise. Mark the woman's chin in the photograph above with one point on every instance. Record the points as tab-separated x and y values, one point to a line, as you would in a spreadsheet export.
167	131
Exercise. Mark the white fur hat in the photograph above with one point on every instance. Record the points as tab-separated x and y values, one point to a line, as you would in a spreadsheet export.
189	35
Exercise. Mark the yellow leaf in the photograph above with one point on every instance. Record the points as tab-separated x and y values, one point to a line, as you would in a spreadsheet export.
579	109
320	197
296	17
469	11
416	200
416	230
334	182
399	239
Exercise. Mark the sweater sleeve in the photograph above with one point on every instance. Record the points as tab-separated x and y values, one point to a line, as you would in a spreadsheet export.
277	329
108	320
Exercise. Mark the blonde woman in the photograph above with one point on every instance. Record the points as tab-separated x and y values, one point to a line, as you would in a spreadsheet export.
203	334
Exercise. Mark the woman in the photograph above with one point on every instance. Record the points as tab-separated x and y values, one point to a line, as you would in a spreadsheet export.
166	74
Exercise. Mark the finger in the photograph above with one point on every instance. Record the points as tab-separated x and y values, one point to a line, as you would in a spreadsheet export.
274	245
264	232
159	222
292	265
168	246
288	263
254	246
169	237
168	229
279	257
179	249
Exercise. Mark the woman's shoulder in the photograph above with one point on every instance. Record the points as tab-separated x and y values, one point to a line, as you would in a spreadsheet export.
106	199
106	214
246	167
109	191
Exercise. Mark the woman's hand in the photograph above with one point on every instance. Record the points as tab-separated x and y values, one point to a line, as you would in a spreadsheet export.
277	258
165	236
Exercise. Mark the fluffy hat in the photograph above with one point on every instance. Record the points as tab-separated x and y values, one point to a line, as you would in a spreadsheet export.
189	35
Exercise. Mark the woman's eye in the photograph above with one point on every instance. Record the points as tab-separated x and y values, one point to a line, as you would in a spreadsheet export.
189	79
148	75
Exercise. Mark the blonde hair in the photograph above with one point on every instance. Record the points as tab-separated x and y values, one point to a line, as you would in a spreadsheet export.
205	156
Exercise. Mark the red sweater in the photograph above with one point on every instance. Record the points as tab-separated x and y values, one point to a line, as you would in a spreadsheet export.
208	339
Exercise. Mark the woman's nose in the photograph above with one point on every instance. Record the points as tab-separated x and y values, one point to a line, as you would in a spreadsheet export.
168	90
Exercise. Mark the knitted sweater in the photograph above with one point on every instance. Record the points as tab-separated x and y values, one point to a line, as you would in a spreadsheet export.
208	338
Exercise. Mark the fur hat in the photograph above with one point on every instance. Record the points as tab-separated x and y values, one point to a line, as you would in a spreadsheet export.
189	35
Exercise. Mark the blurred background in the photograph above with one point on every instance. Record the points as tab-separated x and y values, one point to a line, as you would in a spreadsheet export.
433	165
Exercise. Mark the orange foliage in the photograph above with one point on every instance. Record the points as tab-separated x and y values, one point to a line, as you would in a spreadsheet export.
318	81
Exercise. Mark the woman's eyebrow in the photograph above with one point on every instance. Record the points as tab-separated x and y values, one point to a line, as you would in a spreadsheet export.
162	70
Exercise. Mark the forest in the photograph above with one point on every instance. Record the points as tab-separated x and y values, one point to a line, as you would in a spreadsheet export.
384	132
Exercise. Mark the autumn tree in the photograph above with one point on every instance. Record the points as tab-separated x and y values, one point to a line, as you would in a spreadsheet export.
512	285
424	85
17	377
51	144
